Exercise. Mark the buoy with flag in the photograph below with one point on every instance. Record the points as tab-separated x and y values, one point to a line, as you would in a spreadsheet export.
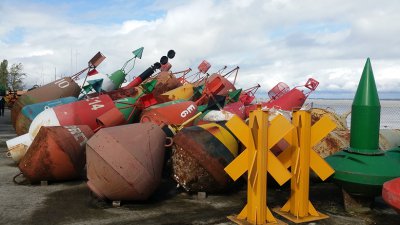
60	88
98	82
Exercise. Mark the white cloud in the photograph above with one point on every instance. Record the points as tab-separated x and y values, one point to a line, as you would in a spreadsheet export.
271	41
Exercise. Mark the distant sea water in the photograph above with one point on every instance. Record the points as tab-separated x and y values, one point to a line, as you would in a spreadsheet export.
390	110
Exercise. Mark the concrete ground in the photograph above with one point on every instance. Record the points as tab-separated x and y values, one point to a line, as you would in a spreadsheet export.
72	203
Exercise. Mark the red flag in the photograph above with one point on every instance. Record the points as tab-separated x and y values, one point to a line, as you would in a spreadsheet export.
92	72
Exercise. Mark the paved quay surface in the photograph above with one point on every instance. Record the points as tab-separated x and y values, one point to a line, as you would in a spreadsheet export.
72	203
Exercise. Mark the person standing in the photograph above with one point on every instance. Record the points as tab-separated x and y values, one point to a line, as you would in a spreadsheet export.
2	105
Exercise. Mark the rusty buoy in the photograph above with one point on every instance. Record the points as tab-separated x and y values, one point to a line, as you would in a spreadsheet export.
200	154
56	154
125	162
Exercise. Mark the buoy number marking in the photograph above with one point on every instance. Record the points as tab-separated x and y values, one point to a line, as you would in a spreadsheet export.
78	135
62	83
187	111
94	102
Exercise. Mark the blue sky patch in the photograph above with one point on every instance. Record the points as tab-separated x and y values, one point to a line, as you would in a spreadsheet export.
14	36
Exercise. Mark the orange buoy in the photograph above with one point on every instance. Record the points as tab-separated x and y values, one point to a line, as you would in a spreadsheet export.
56	154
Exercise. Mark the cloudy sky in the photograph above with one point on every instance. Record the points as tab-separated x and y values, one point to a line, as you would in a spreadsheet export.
271	41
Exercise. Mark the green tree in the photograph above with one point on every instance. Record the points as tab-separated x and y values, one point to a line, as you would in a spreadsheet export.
3	74
16	77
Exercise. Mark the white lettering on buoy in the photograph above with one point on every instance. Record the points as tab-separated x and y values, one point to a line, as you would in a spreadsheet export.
78	135
62	83
187	111
94	103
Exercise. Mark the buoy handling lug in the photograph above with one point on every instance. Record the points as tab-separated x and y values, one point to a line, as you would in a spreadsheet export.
116	204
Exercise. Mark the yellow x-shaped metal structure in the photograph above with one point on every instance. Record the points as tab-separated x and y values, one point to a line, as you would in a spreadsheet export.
300	157
257	159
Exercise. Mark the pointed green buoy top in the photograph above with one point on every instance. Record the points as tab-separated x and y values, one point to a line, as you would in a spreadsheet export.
234	95
96	84
118	78
367	94
365	116
197	91
148	87
125	106
138	53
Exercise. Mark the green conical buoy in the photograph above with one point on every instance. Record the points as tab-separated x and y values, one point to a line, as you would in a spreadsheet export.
365	115
125	107
362	168
117	78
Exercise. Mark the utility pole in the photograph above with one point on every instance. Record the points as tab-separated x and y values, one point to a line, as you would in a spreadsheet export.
71	63
76	61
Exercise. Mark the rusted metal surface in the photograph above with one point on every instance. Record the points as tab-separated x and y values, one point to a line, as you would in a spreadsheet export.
120	93
334	142
166	81
174	112
63	87
56	154
199	159
125	162
338	140
190	174
22	124
96	60
339	120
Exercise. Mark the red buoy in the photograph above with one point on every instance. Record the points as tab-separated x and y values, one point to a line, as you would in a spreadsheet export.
391	193
173	112
56	154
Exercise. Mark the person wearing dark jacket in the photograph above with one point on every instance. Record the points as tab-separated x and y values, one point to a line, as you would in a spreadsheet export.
2	105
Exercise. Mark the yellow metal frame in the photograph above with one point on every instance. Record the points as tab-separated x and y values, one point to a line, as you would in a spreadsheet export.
257	159
300	157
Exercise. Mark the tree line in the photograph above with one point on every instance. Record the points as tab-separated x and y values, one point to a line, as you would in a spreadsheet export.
11	78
